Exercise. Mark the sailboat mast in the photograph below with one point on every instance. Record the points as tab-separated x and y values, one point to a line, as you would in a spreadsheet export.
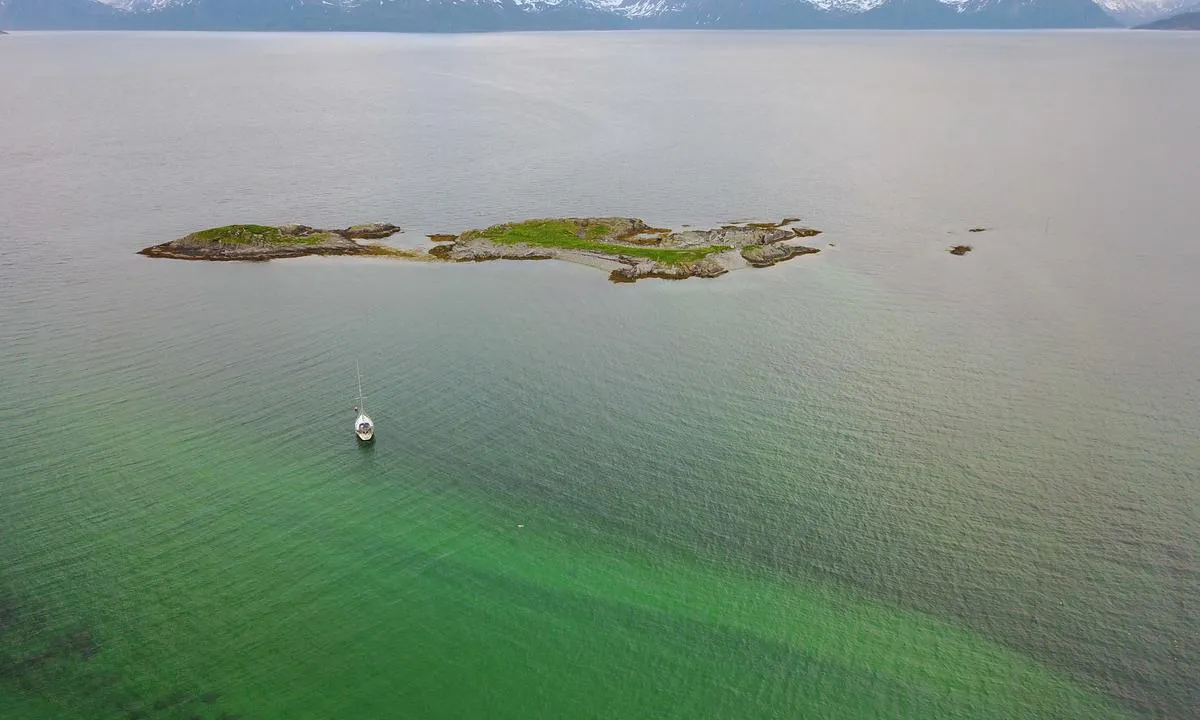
358	372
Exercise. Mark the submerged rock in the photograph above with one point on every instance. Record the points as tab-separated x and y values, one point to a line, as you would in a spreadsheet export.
179	697
79	644
8	612
761	256
960	249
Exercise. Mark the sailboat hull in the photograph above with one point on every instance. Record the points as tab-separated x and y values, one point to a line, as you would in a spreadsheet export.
364	429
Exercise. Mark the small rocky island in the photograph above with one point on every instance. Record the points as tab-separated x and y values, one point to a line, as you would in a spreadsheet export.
265	242
628	248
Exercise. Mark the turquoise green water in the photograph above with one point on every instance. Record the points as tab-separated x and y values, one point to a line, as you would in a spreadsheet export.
356	582
878	482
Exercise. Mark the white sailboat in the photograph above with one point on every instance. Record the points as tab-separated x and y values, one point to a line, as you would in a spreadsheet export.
364	427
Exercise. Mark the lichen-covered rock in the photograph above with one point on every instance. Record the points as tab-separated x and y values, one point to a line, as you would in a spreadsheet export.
706	268
370	231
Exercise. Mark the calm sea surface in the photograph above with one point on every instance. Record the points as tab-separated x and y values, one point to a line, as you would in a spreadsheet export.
879	482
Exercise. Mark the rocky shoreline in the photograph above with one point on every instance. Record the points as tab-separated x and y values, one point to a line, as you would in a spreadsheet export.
628	248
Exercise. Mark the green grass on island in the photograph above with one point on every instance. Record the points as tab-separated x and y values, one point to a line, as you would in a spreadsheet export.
255	235
564	235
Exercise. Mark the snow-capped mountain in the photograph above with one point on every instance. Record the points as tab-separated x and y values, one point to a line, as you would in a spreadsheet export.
1035	13
141	4
56	15
846	5
1135	12
485	15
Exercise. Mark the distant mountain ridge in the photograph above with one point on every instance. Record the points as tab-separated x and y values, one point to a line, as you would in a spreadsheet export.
1182	21
485	15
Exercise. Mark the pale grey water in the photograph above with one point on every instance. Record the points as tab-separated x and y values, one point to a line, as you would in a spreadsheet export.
1006	440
